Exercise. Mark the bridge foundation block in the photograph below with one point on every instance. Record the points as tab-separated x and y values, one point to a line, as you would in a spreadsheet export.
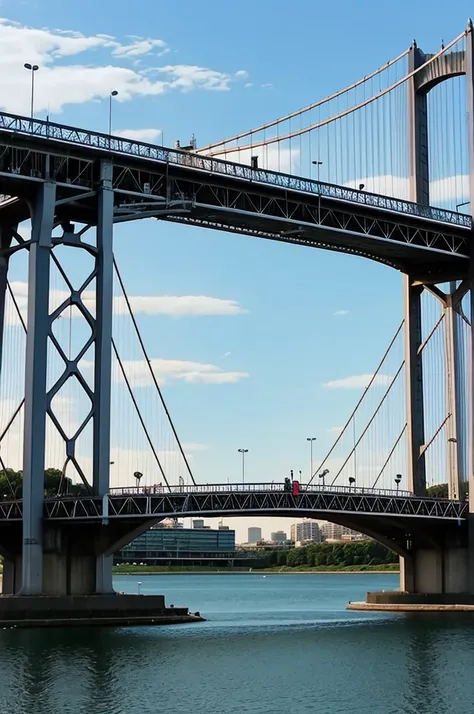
77	581
430	578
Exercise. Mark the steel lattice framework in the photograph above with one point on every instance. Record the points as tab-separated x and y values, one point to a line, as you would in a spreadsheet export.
432	244
230	501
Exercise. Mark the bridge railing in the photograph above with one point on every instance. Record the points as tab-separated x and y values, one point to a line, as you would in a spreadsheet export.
97	140
253	488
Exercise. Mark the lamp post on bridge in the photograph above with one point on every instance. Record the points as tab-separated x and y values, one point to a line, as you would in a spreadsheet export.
323	475
351	482
311	439
113	93
32	68
398	479
318	164
138	475
243	452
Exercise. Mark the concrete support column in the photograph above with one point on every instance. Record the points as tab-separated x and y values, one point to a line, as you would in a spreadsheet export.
470	129
453	396
35	390
418	132
103	356
416	472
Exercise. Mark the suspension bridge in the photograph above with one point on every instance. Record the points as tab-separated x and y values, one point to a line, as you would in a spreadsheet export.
378	170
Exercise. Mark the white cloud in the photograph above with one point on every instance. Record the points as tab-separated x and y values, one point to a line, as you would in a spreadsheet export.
60	82
167	370
335	429
170	305
340	313
187	77
189	447
242	74
247	85
443	192
140	47
227	354
146	135
359	381
179	306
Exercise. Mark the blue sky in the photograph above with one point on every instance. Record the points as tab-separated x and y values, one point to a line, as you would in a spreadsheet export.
286	336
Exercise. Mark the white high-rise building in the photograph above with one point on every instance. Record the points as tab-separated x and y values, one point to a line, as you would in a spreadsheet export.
306	530
333	531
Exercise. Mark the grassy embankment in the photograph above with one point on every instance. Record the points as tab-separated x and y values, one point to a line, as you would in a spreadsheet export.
169	569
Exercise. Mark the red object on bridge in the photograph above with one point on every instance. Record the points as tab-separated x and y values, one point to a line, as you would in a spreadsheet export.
296	488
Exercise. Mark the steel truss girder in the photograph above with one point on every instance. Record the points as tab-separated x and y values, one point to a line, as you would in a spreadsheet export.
180	505
230	196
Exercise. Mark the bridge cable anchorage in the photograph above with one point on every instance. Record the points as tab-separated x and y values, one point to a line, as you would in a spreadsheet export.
150	369
331	119
364	393
139	414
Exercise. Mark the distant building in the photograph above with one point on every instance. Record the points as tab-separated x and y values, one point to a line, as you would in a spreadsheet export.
306	531
254	535
279	537
198	524
333	531
167	545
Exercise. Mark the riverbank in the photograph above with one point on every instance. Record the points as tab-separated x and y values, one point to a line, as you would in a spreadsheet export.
284	570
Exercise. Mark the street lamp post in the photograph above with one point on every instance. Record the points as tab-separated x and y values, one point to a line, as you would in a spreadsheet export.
323	475
138	475
243	452
398	478
311	439
32	68
318	164
112	94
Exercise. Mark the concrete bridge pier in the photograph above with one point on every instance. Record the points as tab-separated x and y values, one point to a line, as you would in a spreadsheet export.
70	557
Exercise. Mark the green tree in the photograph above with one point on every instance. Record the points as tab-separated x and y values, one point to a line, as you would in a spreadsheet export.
438	491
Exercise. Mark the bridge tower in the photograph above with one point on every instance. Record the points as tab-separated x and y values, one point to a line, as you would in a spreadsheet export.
443	566
64	559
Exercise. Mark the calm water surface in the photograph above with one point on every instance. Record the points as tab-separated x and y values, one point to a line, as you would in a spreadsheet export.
281	644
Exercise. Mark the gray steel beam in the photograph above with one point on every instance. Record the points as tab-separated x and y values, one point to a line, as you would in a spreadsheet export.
470	129
38	324
103	356
418	133
416	470
419	192
455	430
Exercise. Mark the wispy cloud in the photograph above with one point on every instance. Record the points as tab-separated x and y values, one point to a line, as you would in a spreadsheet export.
358	381
169	305
191	446
167	370
147	135
68	76
341	313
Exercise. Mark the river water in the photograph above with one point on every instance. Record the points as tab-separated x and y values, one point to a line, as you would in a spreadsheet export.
280	644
